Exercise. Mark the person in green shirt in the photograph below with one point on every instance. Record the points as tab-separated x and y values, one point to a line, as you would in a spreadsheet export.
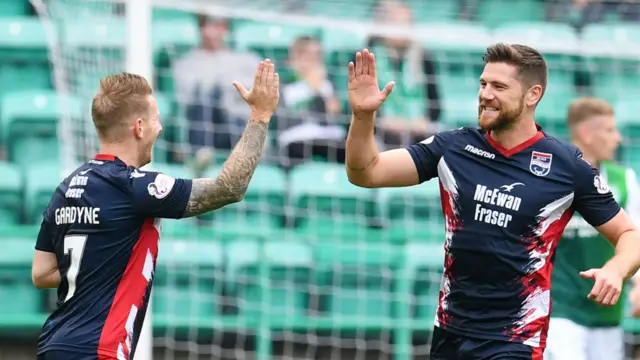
579	328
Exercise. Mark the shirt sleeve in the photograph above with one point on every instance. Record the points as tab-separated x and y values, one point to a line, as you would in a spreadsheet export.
427	153
593	198
158	195
45	237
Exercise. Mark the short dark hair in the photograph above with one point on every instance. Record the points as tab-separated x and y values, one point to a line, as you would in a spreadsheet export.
531	65
583	108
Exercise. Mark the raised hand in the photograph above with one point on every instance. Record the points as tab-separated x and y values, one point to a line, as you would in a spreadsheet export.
264	96
365	97
607	285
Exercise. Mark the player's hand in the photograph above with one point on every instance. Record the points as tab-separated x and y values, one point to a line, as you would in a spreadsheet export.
264	96
607	287
365	97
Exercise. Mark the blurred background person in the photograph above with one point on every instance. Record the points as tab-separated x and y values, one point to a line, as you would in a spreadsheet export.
581	329
214	111
411	114
310	123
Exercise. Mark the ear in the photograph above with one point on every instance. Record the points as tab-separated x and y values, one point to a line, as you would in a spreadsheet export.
138	128
534	95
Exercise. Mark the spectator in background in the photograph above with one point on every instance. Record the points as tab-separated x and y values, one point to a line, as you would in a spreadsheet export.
583	12
410	114
307	126
203	78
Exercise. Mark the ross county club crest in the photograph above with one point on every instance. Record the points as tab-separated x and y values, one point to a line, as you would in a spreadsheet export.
540	164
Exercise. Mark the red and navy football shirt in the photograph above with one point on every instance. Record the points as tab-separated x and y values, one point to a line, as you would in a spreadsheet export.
103	224
505	212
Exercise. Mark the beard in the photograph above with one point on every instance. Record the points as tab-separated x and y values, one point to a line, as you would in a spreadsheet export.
505	118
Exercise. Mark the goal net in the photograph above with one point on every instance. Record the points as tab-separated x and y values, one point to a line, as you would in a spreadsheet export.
309	266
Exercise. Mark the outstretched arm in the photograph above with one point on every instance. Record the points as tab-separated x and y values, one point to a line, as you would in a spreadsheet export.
366	166
233	180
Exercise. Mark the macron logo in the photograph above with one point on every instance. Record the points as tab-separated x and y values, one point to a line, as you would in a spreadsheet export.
474	150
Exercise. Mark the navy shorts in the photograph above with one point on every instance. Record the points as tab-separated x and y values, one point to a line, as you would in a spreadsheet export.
65	355
449	346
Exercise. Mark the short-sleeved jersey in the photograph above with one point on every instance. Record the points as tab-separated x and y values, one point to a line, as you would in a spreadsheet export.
103	225
505	211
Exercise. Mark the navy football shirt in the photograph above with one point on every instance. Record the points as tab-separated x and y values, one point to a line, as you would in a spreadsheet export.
505	212
103	225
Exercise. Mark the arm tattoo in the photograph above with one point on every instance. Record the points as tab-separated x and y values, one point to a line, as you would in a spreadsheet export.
233	180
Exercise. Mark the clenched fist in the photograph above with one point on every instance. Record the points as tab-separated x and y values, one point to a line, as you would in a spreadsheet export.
264	96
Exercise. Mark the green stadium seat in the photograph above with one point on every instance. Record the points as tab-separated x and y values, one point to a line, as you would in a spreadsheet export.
41	182
263	204
357	10
23	39
610	54
270	39
357	281
424	264
457	45
29	121
326	204
14	8
413	213
627	112
11	194
189	279
20	299
459	109
100	40
286	264
558	36
434	10
172	38
160	15
24	60
494	13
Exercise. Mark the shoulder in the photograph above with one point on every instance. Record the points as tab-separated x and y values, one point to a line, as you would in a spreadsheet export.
563	150
454	134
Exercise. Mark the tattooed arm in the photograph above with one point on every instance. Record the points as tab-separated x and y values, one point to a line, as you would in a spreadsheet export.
233	180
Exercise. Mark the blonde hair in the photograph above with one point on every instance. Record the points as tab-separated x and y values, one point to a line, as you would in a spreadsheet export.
583	108
121	97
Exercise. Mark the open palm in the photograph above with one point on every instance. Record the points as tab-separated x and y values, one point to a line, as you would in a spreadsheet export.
364	94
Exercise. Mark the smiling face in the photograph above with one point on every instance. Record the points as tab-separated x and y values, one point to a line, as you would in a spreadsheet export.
500	98
511	85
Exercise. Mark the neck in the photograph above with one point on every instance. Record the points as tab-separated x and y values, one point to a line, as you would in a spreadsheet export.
515	135
123	152
586	155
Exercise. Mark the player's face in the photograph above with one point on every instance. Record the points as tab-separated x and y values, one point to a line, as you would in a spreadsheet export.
603	137
501	97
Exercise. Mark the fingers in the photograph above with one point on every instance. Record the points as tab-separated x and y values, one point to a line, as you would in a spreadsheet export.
605	292
596	290
366	57
387	89
358	64
276	81
589	274
268	73
372	65
352	71
241	90
258	76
